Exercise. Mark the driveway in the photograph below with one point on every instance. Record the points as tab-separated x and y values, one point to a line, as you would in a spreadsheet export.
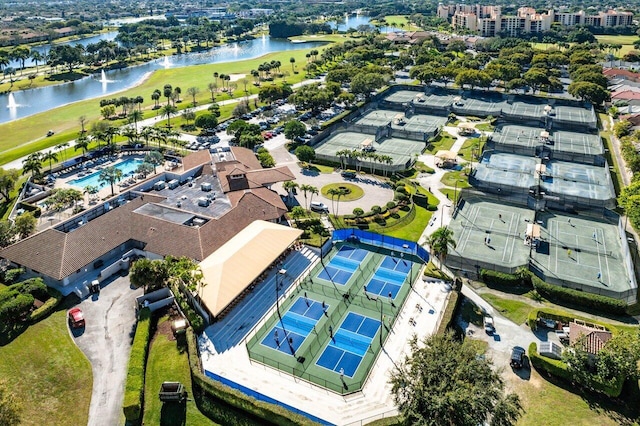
506	336
106	341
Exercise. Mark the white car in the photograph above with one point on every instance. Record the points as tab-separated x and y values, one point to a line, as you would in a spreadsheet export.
319	207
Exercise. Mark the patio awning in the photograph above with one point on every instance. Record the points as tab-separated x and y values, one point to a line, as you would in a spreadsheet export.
533	231
232	268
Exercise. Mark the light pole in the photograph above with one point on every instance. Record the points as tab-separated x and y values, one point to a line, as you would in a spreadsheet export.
442	213
280	273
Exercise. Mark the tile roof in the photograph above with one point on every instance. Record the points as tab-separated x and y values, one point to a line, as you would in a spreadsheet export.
58	254
196	159
594	338
617	72
626	95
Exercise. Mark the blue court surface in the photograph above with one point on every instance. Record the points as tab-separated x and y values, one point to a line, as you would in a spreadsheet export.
389	277
349	344
339	269
287	335
352	253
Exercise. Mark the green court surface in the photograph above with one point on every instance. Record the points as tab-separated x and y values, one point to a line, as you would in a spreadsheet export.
400	150
584	251
563	141
328	330
476	105
378	117
489	234
422	123
574	114
403	96
524	109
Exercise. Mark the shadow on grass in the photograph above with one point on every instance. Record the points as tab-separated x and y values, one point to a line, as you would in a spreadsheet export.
173	414
623	410
9	332
221	412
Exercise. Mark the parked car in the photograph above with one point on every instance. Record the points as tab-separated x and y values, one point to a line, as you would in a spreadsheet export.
549	323
50	133
76	318
489	328
319	207
517	357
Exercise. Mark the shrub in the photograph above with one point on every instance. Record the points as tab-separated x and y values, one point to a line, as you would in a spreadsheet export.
12	275
432	207
569	296
134	388
390	205
551	366
55	297
33	286
196	321
16	308
449	312
499	278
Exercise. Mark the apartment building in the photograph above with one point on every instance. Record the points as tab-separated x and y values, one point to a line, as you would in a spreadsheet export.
489	20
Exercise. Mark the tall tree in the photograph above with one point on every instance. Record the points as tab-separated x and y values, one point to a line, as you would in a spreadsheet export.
8	180
440	241
110	175
50	156
444	382
25	224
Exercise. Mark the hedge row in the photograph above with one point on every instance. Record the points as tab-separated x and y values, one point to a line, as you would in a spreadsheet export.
499	278
134	388
449	312
551	366
564	317
269	413
558	294
55	297
579	298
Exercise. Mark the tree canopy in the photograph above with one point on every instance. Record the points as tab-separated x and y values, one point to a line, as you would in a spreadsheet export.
444	382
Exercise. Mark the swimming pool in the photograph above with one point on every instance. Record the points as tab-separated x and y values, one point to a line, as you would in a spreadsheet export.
127	166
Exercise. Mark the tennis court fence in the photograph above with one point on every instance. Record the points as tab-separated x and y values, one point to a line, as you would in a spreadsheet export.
381	240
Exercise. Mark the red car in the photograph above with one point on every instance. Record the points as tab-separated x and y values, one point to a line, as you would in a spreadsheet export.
76	317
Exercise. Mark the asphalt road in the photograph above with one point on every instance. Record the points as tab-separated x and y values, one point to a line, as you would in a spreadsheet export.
106	341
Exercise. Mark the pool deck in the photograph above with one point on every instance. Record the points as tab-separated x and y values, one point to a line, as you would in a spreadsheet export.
373	401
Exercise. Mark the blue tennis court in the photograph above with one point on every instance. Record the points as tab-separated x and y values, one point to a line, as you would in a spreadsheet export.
352	253
287	335
349	344
389	277
395	264
339	269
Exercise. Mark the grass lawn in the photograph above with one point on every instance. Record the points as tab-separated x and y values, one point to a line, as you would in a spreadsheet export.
451	193
444	141
468	148
355	192
168	363
319	168
48	373
413	229
398	21
542	399
432	271
617	39
513	310
450	179
485	127
28	134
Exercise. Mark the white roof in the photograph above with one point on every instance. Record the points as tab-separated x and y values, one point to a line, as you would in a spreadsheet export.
228	271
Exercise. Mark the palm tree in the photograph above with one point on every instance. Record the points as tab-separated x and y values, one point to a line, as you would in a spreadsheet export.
289	186
61	147
292	61
147	133
135	116
36	57
91	190
193	92
305	189
213	87
313	191
50	156
110	175
167	111
33	164
440	241
336	192
82	143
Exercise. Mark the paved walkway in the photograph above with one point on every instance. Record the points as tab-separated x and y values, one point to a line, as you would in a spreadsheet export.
373	402
106	341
